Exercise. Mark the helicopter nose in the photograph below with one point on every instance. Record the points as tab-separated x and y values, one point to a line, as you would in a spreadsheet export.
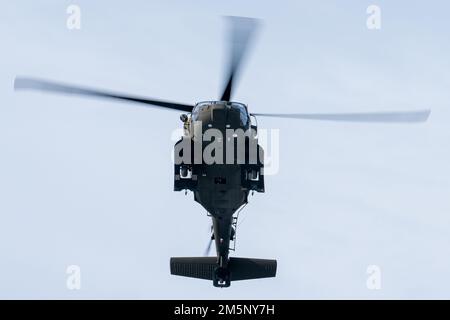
219	114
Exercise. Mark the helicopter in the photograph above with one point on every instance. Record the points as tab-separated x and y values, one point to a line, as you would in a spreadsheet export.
221	179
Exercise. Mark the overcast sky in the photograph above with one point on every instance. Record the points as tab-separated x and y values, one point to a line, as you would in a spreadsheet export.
89	183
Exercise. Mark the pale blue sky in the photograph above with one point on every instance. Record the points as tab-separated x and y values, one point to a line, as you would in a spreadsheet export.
89	182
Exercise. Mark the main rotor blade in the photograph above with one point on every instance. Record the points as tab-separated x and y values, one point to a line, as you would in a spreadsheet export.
23	83
382	117
240	35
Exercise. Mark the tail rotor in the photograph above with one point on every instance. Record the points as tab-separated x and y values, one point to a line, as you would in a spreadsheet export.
208	247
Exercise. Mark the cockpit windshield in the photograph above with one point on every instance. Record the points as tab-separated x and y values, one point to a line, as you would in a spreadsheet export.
239	108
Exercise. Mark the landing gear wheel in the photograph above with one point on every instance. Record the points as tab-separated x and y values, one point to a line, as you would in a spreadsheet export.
221	277
253	175
184	171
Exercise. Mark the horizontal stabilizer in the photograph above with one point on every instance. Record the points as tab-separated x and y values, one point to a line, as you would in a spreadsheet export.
249	268
199	267
239	268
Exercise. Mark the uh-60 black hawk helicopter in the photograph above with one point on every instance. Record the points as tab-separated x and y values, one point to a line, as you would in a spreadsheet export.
221	187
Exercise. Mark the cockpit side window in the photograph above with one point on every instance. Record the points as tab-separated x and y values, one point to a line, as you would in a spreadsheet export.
242	113
198	109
